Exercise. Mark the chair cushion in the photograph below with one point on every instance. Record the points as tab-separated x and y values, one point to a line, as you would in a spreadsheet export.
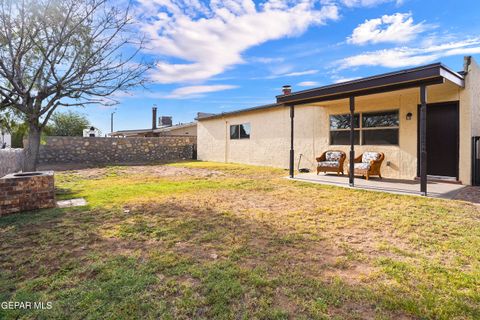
362	165
368	156
333	155
329	164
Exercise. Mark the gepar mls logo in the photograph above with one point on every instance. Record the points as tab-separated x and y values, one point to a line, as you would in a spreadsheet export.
26	305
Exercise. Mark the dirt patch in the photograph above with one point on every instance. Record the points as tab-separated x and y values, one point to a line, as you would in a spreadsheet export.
147	170
168	171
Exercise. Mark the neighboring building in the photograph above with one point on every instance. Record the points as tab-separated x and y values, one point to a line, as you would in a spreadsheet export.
92	132
166	128
5	139
386	109
181	129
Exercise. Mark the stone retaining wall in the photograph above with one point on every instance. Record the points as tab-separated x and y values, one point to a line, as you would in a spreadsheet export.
11	160
116	150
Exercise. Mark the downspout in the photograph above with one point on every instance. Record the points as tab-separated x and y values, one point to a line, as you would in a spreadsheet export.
226	140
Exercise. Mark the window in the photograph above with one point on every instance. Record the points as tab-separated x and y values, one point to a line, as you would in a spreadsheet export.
371	128
240	131
340	129
343	137
380	128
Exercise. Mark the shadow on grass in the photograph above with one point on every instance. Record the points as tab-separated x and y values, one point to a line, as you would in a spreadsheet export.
173	260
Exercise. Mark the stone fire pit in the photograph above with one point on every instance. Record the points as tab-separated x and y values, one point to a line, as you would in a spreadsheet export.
26	191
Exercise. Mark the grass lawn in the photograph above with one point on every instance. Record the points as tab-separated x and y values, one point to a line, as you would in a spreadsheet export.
215	241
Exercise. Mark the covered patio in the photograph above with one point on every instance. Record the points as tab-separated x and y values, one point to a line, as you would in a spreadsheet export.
417	78
436	189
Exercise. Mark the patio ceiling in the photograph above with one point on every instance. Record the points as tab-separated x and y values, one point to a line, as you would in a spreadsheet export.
410	78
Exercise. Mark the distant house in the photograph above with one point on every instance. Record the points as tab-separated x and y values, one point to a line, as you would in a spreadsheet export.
5	139
166	128
91	132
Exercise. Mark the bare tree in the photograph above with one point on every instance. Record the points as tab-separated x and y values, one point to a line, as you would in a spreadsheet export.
63	53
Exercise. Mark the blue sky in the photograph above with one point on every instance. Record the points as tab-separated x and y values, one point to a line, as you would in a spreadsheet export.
217	56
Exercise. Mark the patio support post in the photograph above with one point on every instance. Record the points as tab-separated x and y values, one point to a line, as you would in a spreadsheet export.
423	140
352	141
292	153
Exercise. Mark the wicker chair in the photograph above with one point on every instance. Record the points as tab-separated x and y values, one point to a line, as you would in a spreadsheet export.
368	164
331	161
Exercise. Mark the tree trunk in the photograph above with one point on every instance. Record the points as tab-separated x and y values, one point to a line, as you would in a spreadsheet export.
31	150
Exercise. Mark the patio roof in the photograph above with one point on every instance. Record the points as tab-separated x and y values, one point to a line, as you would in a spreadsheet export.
430	74
420	77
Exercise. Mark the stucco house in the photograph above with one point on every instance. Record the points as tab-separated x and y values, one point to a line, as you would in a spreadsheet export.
429	108
180	129
165	128
5	139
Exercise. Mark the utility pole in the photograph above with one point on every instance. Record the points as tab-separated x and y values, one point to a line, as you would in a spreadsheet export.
111	121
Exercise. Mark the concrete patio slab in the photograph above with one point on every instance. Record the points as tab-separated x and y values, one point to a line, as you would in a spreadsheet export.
409	187
71	203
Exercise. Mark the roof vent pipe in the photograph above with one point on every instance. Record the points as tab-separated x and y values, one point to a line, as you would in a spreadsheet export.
154	117
286	90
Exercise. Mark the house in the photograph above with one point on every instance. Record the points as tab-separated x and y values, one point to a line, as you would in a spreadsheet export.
397	113
166	128
5	139
91	132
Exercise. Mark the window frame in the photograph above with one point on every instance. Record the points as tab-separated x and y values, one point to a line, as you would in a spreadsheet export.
239	126
361	129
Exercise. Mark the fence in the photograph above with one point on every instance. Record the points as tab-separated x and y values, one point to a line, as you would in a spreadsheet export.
116	150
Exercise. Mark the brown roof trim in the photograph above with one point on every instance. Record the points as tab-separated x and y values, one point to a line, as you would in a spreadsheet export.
425	75
225	114
131	131
176	126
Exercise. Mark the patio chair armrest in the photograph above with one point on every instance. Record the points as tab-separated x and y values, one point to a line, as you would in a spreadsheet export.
380	160
376	164
322	157
358	159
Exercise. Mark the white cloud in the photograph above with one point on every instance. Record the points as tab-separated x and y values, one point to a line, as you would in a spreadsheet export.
340	80
397	28
267	60
207	40
406	56
300	73
368	3
307	84
196	91
292	74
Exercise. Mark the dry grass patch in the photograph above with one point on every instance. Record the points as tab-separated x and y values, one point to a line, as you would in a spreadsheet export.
207	240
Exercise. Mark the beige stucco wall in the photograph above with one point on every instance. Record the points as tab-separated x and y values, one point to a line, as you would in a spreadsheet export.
267	146
473	87
469	119
269	143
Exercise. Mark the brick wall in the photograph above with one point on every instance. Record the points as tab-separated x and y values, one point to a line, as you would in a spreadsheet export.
116	150
20	193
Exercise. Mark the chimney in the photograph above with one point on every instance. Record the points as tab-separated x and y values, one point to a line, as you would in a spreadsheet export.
154	118
467	61
286	89
165	121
